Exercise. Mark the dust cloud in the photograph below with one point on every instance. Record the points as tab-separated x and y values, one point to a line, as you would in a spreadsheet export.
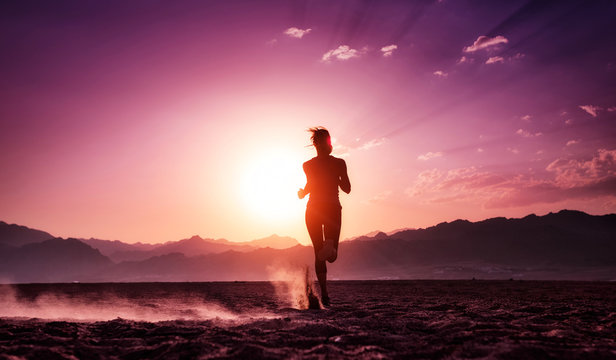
294	286
50	306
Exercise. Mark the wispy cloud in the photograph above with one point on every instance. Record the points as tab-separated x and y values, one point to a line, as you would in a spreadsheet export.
440	73
567	179
591	109
429	155
372	143
463	60
484	42
527	134
573	173
452	184
611	109
296	33
345	150
526	117
513	150
342	52
388	50
380	197
495	59
572	142
424	183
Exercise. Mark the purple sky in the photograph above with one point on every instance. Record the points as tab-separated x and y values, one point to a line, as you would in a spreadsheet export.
152	121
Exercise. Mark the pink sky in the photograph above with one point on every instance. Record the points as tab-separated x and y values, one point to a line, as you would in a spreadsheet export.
154	122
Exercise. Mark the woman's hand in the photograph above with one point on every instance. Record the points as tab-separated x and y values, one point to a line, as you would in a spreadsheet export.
301	193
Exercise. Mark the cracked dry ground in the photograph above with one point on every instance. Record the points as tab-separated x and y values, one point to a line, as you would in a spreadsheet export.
374	319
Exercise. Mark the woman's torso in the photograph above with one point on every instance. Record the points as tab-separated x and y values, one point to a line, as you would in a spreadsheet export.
323	176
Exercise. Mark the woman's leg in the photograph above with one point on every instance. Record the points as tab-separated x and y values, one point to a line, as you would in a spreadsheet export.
314	224
332	224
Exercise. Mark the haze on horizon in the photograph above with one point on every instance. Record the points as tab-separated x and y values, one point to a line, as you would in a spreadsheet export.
152	122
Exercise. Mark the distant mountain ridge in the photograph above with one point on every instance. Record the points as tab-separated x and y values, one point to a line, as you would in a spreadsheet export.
17	235
567	237
108	247
565	245
377	234
53	260
12	235
193	246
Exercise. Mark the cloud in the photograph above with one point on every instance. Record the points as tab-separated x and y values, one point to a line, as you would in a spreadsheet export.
564	179
456	184
526	117
547	192
429	155
343	150
424	182
296	33
611	109
464	59
572	173
342	52
527	134
380	197
518	56
591	109
340	150
440	73
470	178
388	50
495	59
572	142
484	42
513	150
573	179
372	143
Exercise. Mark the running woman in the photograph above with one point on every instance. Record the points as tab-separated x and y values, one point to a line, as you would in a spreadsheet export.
324	175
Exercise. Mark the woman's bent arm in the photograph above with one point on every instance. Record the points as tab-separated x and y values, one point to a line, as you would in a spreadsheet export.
345	183
301	193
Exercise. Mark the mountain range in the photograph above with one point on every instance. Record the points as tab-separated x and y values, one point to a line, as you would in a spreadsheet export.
194	246
565	245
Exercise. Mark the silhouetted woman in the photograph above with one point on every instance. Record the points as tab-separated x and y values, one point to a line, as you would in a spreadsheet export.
324	174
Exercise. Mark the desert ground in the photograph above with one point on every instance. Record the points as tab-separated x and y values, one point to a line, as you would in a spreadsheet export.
367	319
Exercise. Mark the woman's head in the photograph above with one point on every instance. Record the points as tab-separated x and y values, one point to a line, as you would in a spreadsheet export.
321	140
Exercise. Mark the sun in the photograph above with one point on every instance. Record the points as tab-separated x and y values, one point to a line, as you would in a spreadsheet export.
269	185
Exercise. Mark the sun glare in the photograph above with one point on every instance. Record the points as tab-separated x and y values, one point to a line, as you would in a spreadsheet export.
270	183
